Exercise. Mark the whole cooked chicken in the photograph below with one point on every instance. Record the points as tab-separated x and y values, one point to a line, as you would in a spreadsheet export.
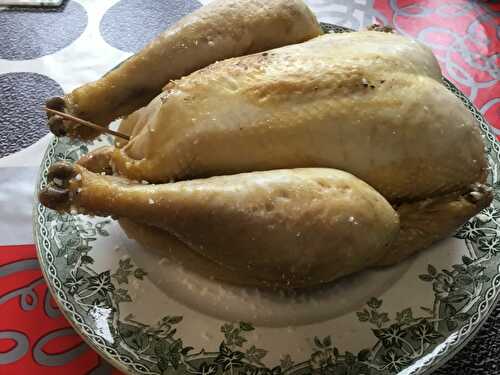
302	163
217	31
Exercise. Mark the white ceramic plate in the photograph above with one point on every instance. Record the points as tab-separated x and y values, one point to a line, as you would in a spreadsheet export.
147	314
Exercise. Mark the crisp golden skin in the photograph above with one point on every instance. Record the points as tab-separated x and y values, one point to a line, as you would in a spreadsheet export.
219	30
293	227
368	103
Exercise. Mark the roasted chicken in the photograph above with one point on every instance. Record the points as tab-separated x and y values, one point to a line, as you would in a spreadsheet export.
294	166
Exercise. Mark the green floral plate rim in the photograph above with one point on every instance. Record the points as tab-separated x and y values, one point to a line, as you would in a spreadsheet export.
408	342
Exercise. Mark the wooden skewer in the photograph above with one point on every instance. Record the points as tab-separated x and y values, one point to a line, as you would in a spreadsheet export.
88	123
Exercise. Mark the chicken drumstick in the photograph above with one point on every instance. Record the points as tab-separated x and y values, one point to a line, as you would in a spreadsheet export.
219	30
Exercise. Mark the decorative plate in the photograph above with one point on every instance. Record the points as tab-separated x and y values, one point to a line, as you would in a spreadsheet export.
147	314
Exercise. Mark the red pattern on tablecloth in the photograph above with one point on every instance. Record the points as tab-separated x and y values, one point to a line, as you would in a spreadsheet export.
34	337
462	35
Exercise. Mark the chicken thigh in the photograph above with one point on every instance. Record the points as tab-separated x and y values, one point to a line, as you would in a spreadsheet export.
219	30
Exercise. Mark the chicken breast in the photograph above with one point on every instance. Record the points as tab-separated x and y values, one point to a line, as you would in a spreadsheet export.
369	103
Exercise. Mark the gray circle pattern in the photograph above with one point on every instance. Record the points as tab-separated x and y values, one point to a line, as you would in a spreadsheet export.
23	120
130	24
28	33
18	351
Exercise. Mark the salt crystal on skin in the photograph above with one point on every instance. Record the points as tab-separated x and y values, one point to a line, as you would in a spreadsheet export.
210	43
476	194
151	201
351	219
364	81
144	182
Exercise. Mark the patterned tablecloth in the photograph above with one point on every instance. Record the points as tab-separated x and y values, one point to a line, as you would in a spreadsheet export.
46	52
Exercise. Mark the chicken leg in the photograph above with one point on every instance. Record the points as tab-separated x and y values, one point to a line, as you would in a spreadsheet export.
297	227
219	30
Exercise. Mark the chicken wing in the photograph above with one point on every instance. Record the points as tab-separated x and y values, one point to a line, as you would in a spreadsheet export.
219	30
295	227
428	221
